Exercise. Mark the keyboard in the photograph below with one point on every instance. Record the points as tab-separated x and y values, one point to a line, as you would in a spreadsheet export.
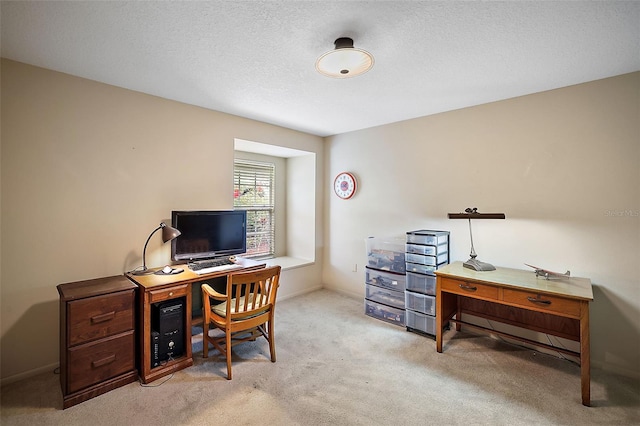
217	269
212	265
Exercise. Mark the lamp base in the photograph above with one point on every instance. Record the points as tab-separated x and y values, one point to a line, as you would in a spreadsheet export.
142	272
477	265
171	272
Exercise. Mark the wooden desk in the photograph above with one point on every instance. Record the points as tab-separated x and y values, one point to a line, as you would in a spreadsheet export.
518	297
158	288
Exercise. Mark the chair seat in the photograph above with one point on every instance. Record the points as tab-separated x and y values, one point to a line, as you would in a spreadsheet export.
221	308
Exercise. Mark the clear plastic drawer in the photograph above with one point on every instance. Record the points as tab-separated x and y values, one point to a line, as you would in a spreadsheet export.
385	296
420	302
425	284
432	238
384	312
426	250
385	279
427	260
421	269
386	253
421	322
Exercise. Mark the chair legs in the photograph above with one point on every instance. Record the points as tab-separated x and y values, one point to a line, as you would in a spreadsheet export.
205	339
272	342
228	354
224	344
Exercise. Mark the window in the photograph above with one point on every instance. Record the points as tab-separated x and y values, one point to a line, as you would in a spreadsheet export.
253	191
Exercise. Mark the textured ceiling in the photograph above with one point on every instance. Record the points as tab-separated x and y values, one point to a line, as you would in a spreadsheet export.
256	59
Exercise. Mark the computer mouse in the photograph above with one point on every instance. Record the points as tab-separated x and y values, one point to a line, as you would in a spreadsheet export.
167	269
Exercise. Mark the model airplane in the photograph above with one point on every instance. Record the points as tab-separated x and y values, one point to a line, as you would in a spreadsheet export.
549	275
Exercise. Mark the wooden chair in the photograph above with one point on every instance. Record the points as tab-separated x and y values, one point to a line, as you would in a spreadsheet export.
246	311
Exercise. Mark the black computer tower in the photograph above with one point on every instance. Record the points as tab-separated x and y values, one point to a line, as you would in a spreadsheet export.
167	330
155	349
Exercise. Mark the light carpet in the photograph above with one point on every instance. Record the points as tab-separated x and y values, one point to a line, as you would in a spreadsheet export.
337	366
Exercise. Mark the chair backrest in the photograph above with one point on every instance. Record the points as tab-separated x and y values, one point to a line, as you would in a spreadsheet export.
252	293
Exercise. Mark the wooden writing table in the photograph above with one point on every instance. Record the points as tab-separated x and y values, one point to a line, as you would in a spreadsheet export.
520	298
158	288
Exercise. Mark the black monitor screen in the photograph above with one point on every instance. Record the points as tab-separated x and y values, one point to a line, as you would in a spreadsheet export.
208	234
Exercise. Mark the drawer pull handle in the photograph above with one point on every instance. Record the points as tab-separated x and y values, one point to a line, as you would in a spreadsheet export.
536	300
103	317
171	294
468	287
104	361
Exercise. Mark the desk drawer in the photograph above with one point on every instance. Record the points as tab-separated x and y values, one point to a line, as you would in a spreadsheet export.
543	303
97	317
168	293
95	362
469	289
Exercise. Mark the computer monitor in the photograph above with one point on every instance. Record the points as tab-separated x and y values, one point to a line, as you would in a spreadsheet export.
207	234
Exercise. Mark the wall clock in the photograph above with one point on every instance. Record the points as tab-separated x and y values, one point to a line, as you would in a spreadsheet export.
344	185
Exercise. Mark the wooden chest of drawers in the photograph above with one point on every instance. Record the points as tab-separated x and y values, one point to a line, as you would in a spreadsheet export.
97	337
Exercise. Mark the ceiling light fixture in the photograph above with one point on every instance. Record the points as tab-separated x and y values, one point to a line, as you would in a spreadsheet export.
344	61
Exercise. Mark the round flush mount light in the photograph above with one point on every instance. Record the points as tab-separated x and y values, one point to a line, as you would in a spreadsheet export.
344	61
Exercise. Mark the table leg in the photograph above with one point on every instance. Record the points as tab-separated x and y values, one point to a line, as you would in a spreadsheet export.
585	357
439	320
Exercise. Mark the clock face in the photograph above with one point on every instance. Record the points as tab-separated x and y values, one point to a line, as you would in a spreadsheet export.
344	185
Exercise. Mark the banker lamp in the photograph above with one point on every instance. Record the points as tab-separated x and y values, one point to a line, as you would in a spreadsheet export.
168	234
472	213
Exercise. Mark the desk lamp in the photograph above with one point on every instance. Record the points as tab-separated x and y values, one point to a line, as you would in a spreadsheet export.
472	213
168	234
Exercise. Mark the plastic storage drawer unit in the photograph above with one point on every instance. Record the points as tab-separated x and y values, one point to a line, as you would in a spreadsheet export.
426	251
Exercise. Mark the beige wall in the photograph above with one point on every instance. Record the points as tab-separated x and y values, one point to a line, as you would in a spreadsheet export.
563	165
88	171
85	178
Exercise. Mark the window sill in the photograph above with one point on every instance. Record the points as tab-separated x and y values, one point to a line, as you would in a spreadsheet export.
288	262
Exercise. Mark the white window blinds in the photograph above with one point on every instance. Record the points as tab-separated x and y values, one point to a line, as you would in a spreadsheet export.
253	191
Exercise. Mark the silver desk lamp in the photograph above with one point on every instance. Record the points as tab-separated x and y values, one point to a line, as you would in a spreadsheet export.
472	213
